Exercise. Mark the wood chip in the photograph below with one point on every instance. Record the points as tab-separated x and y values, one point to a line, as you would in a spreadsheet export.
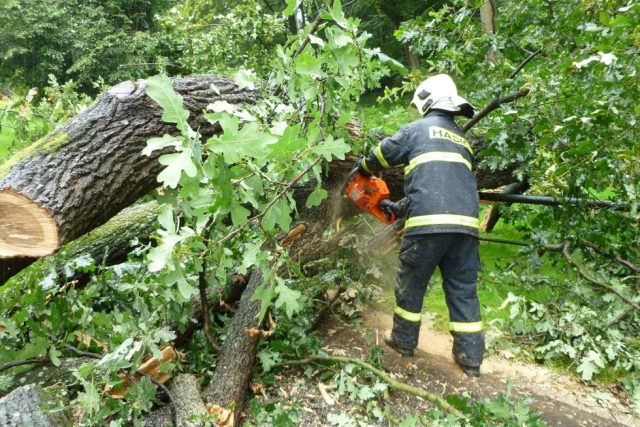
325	395
150	367
225	417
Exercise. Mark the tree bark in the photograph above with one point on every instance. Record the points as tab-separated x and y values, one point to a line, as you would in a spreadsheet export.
488	20
79	176
30	405
186	393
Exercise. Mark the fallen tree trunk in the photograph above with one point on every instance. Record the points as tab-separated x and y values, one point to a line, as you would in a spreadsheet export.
108	244
32	405
77	177
188	403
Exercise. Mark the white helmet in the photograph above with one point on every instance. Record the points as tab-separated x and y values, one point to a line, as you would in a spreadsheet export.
440	92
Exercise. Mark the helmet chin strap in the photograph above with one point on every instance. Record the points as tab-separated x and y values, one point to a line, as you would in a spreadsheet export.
427	106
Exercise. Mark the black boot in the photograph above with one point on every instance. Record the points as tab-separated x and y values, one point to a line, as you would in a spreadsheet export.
471	371
388	340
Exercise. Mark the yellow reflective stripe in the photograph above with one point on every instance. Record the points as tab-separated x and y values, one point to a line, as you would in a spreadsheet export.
436	156
442	133
408	315
381	159
364	165
442	219
465	327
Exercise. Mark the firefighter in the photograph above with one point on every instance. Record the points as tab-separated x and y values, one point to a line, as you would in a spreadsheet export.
441	226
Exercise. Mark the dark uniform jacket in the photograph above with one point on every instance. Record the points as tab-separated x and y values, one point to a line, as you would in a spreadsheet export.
439	182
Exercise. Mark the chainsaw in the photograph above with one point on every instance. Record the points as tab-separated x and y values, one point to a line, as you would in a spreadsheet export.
366	192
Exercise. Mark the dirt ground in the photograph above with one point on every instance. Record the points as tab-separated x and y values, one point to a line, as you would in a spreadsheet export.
562	400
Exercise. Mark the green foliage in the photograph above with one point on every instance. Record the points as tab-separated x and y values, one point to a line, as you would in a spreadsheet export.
125	307
26	118
589	338
222	38
80	40
254	163
279	414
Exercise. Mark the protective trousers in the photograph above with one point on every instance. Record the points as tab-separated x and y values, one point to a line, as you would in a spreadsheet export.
457	256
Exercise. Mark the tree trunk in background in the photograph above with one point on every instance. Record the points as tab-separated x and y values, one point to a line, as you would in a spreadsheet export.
79	176
488	19
412	59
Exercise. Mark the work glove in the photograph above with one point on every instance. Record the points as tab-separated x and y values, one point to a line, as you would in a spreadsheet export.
389	208
399	208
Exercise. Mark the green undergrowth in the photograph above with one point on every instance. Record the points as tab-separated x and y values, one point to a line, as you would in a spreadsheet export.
27	116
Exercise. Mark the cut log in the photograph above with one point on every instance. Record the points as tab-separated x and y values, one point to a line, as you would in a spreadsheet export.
234	366
79	176
108	244
27	229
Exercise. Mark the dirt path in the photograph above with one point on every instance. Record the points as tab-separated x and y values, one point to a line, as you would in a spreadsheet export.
563	401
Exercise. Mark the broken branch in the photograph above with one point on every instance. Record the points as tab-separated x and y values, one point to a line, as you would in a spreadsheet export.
393	384
494	104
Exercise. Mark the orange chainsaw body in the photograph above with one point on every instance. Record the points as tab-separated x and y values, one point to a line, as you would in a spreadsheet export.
367	192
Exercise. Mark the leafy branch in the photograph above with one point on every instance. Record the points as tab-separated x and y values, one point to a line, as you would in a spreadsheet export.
493	105
32	361
165	390
393	384
565	249
278	196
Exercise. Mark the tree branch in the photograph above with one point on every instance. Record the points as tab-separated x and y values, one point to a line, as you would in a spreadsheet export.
621	316
204	298
525	62
393	384
494	104
616	257
313	30
32	361
565	248
271	203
